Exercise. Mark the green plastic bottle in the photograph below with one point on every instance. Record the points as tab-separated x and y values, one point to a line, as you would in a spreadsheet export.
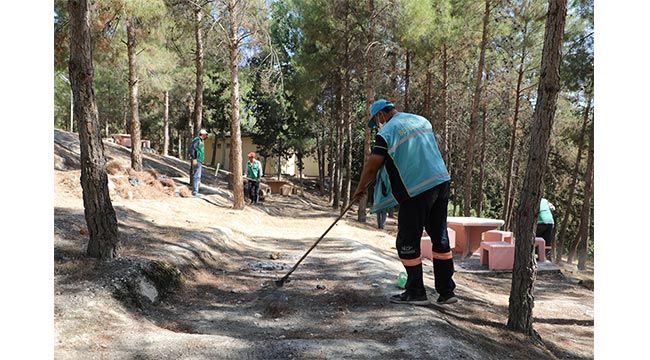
401	280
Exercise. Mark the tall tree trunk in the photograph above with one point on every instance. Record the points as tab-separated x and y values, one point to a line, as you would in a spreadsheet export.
348	151
394	75
189	135
264	161
522	301
473	118
572	242
444	111
428	95
71	110
484	109
125	115
106	118
235	130
166	125
407	80
582	244
426	105
347	128
479	196
180	145
213	161
513	134
280	161
338	173
98	209
198	97
573	246
188	140
332	163
338	191
559	248
321	162
370	96
340	161
322	167
583	235
300	167
319	159
136	154
347	123
338	182
516	175
223	156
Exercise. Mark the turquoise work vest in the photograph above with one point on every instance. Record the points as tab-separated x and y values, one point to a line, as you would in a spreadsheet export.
545	216
413	149
254	169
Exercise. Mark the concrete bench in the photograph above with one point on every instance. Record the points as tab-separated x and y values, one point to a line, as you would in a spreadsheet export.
451	233
276	186
497	235
540	245
497	255
500	255
426	250
286	189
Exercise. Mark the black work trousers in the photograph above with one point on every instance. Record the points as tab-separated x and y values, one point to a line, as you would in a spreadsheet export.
254	191
427	210
546	231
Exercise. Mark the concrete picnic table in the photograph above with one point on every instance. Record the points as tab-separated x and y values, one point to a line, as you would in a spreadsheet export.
276	185
469	230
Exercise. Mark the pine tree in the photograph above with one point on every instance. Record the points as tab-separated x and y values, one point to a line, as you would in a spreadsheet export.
521	300
98	209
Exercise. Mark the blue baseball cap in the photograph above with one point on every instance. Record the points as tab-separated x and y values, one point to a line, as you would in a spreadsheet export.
375	108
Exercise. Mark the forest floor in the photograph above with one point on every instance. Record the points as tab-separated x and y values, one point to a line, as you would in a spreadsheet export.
335	305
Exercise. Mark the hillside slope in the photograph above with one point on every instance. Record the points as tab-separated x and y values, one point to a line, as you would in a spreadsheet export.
225	307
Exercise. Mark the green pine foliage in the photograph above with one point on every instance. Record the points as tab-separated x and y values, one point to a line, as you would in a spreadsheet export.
295	55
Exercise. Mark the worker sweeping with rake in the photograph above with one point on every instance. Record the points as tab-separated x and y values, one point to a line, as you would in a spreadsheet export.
409	170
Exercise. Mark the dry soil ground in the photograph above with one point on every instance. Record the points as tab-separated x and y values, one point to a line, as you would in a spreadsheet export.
334	307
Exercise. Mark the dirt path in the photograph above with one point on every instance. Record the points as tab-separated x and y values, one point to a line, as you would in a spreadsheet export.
335	305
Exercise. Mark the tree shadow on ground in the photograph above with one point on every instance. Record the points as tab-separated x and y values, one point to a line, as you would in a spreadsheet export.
548	287
240	302
237	301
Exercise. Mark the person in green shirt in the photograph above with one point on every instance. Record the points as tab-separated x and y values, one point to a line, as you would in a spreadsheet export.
253	173
545	223
196	155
